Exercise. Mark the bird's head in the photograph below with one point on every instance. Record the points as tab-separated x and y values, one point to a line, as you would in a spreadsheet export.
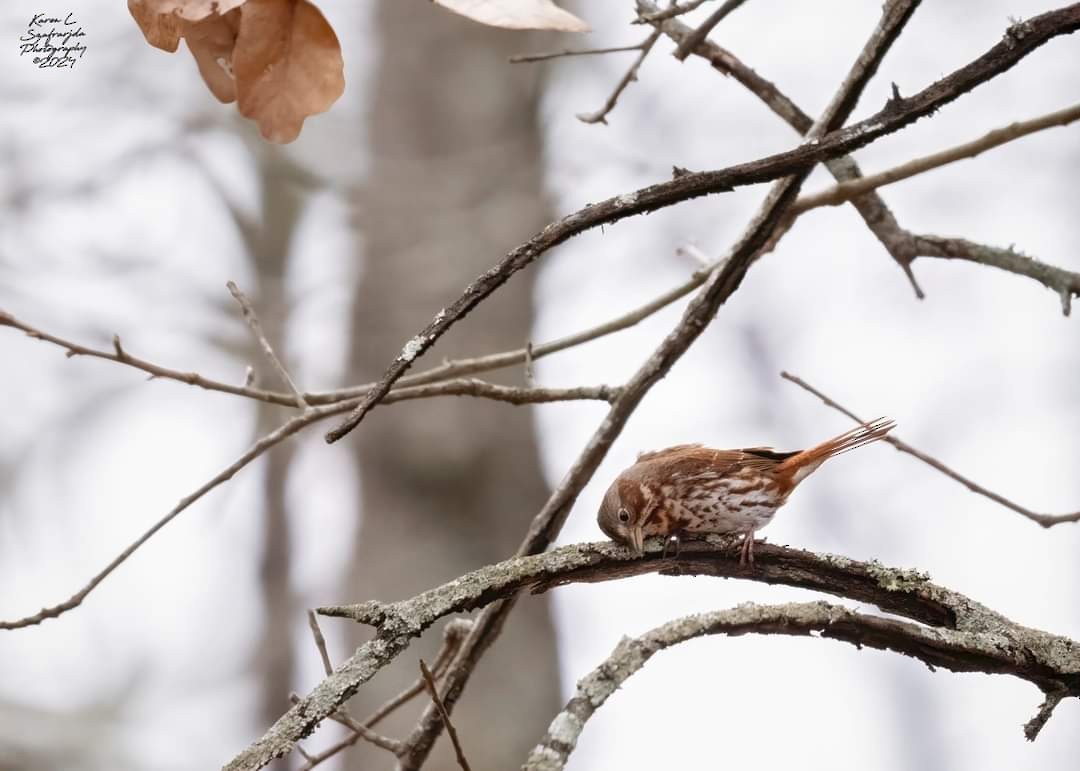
621	514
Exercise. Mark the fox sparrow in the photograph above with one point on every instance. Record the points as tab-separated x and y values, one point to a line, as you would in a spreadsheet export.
694	489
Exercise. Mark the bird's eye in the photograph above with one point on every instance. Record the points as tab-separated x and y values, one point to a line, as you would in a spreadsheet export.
624	515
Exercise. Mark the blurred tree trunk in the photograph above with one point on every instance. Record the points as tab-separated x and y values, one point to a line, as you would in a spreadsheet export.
449	485
268	238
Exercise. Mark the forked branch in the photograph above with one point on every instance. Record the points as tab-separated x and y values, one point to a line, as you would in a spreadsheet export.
1019	40
955	631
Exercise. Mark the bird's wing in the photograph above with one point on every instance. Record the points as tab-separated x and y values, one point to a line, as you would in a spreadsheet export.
688	462
653	454
769	453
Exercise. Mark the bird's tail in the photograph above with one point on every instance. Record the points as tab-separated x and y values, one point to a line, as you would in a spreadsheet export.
801	465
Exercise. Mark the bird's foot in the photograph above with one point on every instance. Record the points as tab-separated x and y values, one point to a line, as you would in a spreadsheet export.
746	553
673	540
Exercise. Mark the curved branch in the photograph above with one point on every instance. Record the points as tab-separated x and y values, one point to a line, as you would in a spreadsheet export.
956	651
1049	661
1020	39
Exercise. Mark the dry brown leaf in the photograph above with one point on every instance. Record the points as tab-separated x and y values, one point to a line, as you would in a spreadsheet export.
161	30
191	10
287	64
517	14
211	42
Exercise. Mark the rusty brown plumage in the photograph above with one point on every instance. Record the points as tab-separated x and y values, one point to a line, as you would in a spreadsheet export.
694	489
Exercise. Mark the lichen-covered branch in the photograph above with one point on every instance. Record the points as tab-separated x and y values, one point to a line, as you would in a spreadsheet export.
951	649
1050	661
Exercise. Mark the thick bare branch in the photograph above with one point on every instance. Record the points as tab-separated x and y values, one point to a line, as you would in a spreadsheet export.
1046	520
957	651
1019	40
995	644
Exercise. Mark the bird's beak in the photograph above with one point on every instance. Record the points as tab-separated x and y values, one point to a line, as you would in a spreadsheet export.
637	541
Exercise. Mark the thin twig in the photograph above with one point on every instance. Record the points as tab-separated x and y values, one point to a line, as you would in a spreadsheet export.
342	716
1046	520
320	641
433	690
695	38
268	350
292	426
121	356
704	262
600	116
1019	40
374	737
453	633
846	191
530	374
522	58
289	428
437	377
